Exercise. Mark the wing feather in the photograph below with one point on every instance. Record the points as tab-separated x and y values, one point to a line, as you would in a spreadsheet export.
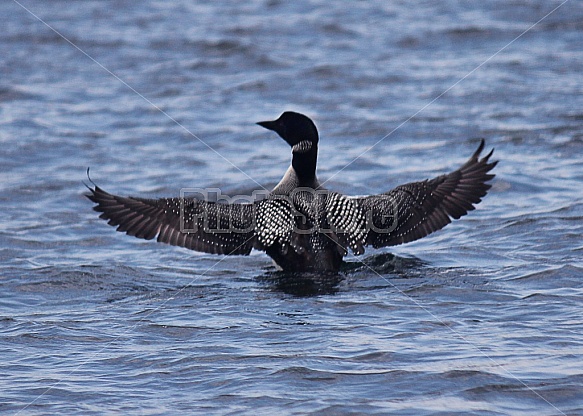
205	226
416	209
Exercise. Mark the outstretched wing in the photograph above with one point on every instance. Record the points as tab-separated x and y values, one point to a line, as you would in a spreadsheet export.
416	209
210	227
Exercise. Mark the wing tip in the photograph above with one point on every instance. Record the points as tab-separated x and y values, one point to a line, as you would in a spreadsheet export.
479	150
93	196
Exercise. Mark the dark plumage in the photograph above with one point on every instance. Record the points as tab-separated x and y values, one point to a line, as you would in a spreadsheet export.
301	225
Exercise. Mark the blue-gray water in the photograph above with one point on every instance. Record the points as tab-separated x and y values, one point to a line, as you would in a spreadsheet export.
484	317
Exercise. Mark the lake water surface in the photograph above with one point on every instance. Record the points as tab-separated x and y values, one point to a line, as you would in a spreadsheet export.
482	318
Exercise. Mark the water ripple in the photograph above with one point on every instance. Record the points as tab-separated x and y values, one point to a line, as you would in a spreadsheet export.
480	318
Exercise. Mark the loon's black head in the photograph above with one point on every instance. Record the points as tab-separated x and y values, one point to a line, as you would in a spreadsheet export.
296	129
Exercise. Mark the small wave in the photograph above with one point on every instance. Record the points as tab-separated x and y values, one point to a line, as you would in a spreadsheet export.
468	32
8	94
560	281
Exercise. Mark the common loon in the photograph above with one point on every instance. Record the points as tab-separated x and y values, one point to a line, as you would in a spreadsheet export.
299	224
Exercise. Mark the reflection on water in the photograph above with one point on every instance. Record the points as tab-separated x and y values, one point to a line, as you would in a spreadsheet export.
313	284
302	284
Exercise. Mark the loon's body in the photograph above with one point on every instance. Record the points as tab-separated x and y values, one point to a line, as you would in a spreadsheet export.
299	224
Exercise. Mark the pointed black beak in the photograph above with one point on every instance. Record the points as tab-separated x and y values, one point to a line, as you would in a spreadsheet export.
269	125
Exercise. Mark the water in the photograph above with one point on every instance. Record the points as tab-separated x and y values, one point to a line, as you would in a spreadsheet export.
481	318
